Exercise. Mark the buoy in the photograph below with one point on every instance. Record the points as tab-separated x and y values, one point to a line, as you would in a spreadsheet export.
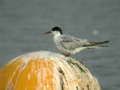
46	70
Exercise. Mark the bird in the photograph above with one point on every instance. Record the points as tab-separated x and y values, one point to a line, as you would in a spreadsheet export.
70	45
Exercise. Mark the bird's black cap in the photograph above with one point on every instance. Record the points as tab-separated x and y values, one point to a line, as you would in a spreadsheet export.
56	28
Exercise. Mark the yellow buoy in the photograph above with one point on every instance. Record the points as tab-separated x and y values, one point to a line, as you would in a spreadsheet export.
46	71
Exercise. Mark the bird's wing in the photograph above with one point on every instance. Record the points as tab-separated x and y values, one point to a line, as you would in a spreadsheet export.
69	42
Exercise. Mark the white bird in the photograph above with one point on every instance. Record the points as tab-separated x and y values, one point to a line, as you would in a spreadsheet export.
70	45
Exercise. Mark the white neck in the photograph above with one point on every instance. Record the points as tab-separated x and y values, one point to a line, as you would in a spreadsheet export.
56	34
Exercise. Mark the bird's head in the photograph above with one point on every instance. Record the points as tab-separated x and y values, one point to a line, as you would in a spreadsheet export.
55	31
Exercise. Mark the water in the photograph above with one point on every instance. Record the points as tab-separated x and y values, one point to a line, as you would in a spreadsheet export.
23	22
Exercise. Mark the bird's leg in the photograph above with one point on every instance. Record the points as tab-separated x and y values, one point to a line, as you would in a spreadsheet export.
67	54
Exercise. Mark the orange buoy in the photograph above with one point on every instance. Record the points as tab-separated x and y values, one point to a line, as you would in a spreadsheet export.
46	71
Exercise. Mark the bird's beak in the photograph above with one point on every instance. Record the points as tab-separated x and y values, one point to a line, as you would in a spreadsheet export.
48	32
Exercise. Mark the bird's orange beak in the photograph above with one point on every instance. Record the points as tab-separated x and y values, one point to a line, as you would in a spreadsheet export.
48	32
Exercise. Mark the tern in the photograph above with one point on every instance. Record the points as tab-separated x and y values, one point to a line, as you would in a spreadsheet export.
70	45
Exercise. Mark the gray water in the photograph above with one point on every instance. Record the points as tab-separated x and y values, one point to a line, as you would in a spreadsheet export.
23	22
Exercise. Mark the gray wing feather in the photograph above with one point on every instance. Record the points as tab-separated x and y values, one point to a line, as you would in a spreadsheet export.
71	43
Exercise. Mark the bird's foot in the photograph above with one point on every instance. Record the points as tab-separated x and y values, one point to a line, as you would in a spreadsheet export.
67	55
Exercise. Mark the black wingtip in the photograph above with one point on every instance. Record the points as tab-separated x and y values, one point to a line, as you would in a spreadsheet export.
107	41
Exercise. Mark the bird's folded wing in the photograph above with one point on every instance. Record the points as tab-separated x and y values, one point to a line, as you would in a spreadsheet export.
71	43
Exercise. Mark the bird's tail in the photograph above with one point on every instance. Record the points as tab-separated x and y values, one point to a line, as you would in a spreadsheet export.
97	43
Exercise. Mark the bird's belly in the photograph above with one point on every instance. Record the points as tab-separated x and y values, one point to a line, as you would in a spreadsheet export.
72	51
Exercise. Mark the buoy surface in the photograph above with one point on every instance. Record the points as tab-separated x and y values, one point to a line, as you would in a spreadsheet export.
46	71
